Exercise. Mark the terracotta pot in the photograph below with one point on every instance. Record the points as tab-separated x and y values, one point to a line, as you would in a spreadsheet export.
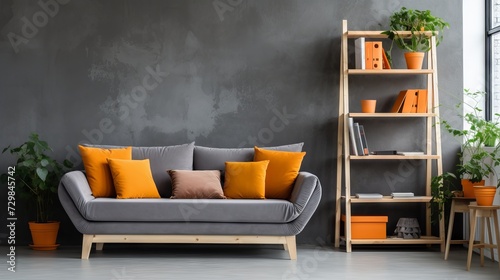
368	105
414	60
468	187
44	235
485	195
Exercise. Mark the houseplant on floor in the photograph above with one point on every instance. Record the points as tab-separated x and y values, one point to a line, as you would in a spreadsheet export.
417	42
37	177
477	159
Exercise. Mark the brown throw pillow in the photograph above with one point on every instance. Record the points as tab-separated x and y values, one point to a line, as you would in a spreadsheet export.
196	184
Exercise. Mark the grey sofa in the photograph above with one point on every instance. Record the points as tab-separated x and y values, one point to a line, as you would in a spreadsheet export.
164	220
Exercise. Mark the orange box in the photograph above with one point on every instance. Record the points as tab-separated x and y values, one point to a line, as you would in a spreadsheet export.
368	227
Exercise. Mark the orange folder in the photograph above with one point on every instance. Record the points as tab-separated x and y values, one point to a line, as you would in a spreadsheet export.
377	51
368	55
422	101
409	106
399	102
386	64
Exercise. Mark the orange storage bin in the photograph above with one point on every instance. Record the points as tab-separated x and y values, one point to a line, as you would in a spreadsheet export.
368	227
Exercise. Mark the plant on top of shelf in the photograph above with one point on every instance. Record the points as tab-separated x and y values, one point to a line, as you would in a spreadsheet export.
416	22
480	147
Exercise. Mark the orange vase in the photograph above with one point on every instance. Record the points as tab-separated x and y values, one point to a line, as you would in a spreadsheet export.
485	195
414	60
468	187
44	235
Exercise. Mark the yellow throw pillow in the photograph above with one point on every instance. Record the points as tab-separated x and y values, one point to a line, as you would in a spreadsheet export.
282	171
245	179
133	178
97	168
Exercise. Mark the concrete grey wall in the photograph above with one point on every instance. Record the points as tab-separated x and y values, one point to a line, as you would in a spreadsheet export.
214	71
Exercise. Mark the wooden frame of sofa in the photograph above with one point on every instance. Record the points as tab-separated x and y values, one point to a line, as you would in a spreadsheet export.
288	242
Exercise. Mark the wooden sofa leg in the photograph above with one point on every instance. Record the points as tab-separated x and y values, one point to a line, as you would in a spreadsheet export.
291	247
86	246
98	246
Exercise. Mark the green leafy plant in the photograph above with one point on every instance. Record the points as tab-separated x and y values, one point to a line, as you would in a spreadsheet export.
442	187
37	175
416	22
476	161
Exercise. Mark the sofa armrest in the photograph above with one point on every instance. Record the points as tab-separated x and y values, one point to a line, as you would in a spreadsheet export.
76	185
305	185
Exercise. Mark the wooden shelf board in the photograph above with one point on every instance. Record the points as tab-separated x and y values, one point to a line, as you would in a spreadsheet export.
392	157
389	199
391	240
391	115
389	71
378	34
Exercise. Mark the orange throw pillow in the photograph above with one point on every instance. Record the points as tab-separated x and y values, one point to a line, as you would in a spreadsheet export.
97	168
133	178
245	179
282	171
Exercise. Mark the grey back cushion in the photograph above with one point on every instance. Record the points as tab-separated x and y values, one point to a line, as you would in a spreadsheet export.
206	158
178	157
161	159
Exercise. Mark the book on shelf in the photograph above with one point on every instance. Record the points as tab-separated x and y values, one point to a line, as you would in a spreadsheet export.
386	64
352	139
399	102
359	53
364	143
369	195
410	153
357	138
422	101
373	55
411	101
402	194
385	153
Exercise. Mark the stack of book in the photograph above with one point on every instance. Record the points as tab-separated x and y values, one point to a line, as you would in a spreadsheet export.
369	195
402	195
359	145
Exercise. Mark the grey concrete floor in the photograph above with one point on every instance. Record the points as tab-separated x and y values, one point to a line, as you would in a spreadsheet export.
150	261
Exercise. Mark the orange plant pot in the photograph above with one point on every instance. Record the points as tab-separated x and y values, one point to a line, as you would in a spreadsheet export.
44	235
468	187
368	105
414	60
485	195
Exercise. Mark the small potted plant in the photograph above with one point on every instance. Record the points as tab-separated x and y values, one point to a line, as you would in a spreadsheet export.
442	189
37	177
417	42
479	154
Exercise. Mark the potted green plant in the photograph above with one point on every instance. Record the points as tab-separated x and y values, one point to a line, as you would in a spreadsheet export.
37	177
479	153
442	187
415	40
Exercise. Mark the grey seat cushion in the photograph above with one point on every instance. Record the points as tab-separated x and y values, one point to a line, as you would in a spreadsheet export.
190	210
214	158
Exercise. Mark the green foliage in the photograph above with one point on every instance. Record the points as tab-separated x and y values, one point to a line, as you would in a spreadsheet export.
37	175
441	191
415	21
479	135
